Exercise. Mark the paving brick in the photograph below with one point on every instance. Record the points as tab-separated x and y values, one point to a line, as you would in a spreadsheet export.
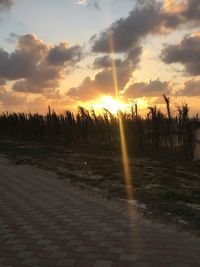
58	255
41	254
103	263
51	248
13	261
48	262
117	234
107	244
43	242
74	242
2	259
31	261
182	265
24	254
13	241
19	247
85	263
97	238
92	256
124	264
128	257
45	223
99	249
85	249
116	250
66	262
7	253
110	256
75	255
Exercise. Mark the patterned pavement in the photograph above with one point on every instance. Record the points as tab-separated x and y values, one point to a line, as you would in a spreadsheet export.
45	222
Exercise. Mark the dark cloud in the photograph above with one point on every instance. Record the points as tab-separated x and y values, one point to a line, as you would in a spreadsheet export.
103	82
182	12
186	53
103	62
191	88
32	66
62	53
154	88
23	62
125	35
127	32
106	61
192	11
147	17
5	4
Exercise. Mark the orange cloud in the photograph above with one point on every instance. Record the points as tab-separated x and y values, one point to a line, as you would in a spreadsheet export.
174	6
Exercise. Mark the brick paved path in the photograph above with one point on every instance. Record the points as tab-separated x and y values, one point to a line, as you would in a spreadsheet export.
45	223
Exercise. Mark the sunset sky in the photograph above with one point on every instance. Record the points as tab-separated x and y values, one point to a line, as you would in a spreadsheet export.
60	52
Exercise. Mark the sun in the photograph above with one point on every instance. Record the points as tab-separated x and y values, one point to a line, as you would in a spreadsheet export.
109	103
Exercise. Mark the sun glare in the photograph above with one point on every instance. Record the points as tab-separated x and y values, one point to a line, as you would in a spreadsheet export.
141	103
109	103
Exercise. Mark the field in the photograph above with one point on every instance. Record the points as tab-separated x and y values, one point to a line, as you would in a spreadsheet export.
157	134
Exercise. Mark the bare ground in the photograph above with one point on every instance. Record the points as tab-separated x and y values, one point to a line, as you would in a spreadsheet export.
167	192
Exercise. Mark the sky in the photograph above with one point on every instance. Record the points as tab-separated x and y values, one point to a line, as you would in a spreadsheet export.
66	53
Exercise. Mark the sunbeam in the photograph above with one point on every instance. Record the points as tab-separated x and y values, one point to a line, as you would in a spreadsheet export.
124	150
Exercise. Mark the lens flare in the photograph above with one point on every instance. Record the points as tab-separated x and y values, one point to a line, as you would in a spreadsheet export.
125	157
